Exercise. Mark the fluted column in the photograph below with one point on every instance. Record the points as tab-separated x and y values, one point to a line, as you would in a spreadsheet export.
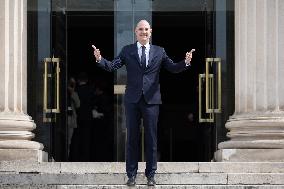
15	124
256	130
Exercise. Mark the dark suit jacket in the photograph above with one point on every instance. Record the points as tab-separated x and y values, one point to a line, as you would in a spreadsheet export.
140	81
87	98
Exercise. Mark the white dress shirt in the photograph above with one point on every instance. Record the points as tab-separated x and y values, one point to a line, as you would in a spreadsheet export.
147	50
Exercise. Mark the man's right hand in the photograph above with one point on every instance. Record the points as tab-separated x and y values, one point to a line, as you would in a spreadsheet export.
97	53
188	56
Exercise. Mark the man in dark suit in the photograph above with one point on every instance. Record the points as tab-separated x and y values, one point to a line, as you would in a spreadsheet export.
143	62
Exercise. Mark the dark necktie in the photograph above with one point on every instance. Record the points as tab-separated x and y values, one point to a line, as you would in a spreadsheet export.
143	58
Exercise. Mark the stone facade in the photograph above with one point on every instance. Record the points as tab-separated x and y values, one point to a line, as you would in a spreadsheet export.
256	128
15	124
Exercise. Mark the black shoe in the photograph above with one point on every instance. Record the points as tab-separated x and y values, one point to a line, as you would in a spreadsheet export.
151	181
131	181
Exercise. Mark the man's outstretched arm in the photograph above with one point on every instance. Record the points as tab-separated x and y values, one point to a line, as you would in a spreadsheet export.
105	64
180	66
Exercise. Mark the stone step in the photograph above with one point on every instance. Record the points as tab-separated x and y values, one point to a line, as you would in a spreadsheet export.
161	179
163	167
169	175
142	187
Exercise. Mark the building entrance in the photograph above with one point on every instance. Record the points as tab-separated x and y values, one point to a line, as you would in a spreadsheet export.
61	33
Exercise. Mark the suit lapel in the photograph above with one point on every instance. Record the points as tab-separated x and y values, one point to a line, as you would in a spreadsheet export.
134	52
151	55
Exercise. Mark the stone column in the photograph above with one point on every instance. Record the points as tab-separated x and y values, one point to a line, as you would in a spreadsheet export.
15	124
256	130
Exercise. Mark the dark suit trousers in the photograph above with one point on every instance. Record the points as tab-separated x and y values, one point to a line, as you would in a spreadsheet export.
134	113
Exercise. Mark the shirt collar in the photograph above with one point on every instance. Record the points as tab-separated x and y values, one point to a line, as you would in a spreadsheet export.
139	45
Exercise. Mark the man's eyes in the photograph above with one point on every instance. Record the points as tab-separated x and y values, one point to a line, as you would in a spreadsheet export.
141	29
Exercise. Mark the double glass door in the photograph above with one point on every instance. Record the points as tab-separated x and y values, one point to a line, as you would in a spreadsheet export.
60	35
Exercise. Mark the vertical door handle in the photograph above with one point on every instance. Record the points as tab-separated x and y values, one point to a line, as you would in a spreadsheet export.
215	107
54	75
201	78
212	104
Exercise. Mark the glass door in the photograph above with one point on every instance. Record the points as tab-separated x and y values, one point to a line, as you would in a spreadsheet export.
47	74
197	102
180	27
216	81
59	128
60	35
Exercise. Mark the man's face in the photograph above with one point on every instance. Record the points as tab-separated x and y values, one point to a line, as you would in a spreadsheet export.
143	32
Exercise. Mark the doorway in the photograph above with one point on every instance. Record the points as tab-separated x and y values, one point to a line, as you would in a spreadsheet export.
83	30
70	32
178	125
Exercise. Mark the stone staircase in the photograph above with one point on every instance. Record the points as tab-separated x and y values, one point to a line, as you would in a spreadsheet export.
102	175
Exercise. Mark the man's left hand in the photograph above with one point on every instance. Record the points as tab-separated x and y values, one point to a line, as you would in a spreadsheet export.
188	56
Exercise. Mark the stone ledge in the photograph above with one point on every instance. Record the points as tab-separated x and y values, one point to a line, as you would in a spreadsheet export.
23	155
141	187
20	144
119	167
161	179
111	178
256	178
250	155
241	167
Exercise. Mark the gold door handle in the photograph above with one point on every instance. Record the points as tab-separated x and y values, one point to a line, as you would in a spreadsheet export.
212	109
210	99
200	80
55	106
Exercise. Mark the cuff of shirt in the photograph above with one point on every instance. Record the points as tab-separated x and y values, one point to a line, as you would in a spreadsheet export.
187	63
98	61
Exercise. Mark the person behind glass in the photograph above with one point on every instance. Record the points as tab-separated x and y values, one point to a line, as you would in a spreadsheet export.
103	123
84	117
143	62
73	105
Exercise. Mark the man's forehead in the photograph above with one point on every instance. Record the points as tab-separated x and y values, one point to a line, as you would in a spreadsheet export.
143	24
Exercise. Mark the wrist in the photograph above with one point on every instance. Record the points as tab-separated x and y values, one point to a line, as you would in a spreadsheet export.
98	59
187	63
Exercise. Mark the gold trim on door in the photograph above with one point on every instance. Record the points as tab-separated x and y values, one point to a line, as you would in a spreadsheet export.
46	76
200	80
210	91
211	109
